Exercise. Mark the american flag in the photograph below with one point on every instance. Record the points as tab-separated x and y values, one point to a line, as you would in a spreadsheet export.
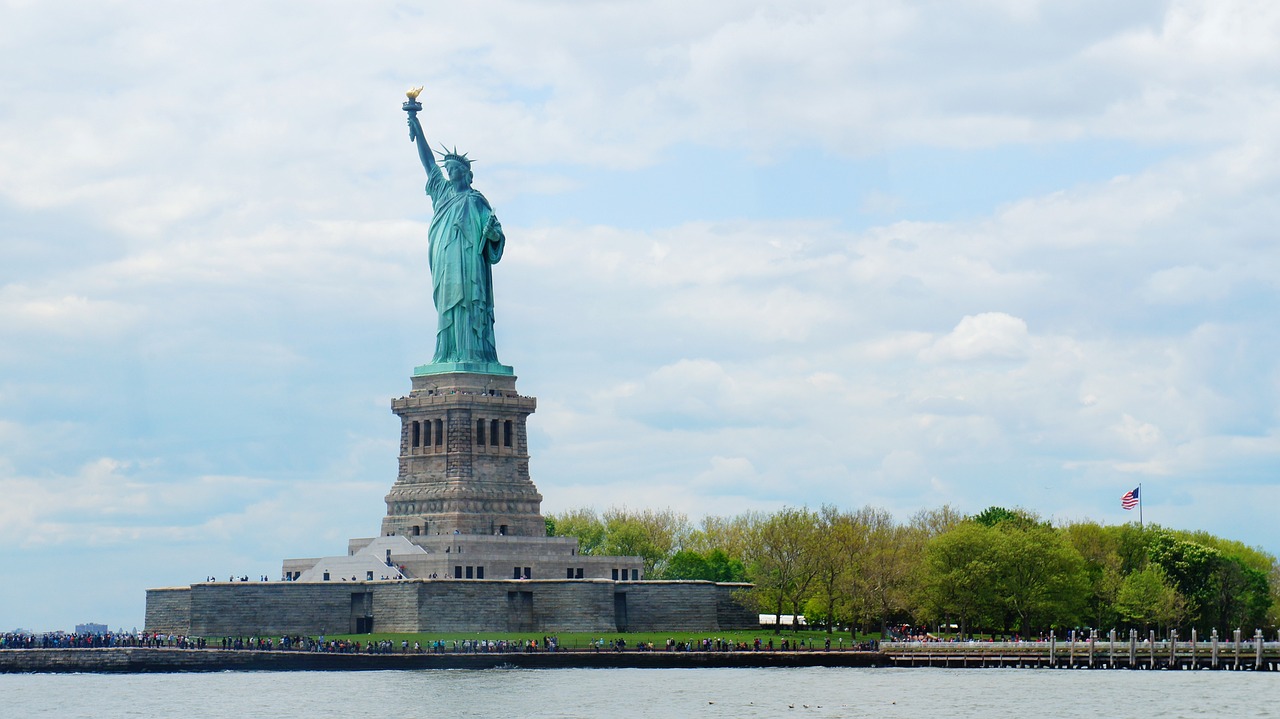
1130	498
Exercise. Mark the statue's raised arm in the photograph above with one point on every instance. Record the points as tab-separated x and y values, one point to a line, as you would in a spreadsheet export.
424	150
416	135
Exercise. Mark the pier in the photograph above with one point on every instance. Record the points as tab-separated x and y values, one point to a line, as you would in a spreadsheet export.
1234	653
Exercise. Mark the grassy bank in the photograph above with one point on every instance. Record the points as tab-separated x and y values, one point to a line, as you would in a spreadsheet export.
584	640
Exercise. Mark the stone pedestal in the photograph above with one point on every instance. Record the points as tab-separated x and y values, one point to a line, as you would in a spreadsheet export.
463	505
464	460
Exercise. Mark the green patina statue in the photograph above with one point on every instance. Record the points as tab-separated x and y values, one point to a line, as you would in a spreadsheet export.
465	239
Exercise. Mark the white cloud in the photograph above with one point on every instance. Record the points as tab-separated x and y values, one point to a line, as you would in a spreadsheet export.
24	310
990	335
1136	432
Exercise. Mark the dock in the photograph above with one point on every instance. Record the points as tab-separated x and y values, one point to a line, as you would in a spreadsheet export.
1235	653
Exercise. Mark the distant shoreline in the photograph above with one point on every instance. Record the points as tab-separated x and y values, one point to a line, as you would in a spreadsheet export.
137	660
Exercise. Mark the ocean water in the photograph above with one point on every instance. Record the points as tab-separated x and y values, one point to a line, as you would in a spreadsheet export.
809	692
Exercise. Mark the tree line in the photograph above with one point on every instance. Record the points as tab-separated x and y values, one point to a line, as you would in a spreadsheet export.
1001	571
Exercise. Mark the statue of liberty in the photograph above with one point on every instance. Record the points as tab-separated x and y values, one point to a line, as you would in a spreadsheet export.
465	240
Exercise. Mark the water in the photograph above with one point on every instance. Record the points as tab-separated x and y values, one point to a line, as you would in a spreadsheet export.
880	693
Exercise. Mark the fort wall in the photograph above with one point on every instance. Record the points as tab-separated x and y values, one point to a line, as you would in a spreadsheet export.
437	606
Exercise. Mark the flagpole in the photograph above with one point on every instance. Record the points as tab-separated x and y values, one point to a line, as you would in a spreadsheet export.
1140	493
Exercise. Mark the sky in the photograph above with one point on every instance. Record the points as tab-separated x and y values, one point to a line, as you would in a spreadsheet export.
759	254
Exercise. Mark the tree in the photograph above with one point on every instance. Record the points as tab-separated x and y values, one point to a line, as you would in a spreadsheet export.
652	535
1244	586
735	536
780	566
997	569
628	538
956	577
1038	576
892	560
1146	597
1133	544
933	522
715	566
724	568
836	549
992	516
686	564
1273	612
1191	568
1099	547
1243	594
582	523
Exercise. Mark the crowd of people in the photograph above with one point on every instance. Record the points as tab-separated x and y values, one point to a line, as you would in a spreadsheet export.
908	633
71	640
784	644
57	640
387	646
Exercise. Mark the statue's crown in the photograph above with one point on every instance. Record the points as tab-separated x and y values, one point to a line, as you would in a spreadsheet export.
453	156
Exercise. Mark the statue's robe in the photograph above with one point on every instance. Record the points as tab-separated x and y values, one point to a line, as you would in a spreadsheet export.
461	277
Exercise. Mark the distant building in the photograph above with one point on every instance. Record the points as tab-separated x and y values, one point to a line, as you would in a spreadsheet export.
91	628
769	620
463	546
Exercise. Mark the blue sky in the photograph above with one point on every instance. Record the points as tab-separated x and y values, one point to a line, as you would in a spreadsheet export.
759	254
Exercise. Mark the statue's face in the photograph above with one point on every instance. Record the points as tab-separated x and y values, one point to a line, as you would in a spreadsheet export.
459	175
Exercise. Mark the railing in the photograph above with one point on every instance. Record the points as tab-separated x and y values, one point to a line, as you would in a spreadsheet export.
1211	653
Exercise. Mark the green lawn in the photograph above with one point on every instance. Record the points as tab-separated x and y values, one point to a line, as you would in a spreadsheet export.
583	640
